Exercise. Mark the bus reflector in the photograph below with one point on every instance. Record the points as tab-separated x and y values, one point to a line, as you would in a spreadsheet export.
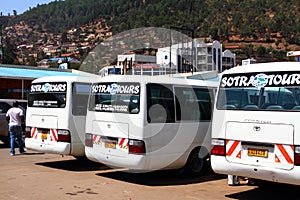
297	155
218	147
137	146
64	136
89	140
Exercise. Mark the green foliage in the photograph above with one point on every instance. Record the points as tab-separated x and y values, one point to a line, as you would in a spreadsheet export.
261	50
250	19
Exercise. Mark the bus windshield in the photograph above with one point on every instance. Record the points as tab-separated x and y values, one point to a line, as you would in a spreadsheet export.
115	97
48	95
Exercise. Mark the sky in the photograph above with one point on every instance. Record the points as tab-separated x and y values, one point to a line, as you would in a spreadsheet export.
7	6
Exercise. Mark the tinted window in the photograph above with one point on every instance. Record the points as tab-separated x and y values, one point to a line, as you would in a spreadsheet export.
160	104
80	96
48	95
115	97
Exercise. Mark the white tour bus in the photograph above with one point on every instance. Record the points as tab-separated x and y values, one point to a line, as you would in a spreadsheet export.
256	127
55	118
111	70
145	123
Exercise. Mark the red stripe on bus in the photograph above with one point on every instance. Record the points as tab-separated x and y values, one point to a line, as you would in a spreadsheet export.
53	134
285	153
232	148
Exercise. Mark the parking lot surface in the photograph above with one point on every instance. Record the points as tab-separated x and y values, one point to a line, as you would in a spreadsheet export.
46	176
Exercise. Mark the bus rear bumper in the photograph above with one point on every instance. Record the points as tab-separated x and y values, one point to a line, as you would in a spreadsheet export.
132	162
48	147
221	166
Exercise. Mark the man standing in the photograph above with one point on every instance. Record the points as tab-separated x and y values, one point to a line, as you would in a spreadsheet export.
15	117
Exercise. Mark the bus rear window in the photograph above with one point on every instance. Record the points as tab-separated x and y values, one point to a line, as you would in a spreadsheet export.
52	100
48	95
115	97
269	98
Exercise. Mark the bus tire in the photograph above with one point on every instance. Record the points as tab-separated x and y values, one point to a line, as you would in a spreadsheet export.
196	165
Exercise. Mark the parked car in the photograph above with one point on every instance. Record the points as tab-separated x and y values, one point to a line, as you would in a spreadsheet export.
6	104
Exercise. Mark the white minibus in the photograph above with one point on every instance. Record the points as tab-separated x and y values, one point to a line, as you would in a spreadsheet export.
256	127
146	123
111	70
55	118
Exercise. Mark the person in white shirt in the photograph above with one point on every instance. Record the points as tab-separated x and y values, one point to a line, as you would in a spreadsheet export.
15	117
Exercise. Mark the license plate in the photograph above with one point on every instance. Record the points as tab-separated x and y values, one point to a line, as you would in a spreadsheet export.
110	145
44	136
258	152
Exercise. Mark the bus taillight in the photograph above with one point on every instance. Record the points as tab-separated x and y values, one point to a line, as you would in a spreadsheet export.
88	140
64	136
297	155
27	132
218	147
137	146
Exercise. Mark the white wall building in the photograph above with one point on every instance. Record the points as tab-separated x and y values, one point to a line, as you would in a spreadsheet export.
136	59
248	61
228	59
207	57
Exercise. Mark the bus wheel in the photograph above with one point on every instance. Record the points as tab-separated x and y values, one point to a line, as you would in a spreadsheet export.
196	165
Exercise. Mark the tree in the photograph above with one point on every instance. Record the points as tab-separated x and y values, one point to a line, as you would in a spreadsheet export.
261	50
9	56
32	61
277	43
249	50
64	37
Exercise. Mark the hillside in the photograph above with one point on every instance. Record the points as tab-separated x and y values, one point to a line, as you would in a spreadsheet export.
270	24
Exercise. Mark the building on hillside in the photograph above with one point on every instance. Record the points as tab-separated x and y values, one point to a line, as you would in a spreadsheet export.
228	60
208	56
196	56
294	55
55	62
135	59
248	61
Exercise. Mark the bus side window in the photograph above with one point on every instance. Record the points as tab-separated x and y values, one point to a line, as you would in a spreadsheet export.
193	104
204	102
160	104
80	95
186	104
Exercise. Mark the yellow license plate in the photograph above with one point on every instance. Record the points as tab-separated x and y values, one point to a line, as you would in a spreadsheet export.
258	152
44	136
110	145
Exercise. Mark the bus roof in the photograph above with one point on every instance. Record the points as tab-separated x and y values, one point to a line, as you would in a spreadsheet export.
265	67
64	78
158	79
